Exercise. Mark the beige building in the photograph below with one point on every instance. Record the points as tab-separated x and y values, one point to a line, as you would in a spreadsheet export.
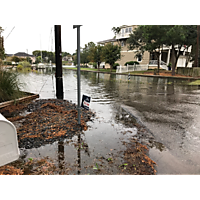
148	58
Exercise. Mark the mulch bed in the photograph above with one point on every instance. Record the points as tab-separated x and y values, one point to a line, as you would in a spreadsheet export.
167	74
48	121
137	161
10	170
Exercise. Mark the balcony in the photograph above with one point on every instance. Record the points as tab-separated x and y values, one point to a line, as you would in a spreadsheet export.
122	35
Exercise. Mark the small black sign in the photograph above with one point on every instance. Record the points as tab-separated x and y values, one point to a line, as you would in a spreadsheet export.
86	102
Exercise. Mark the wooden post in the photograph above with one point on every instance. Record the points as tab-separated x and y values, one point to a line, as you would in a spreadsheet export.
58	50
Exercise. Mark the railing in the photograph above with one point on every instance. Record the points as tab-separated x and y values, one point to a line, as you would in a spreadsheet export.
155	62
163	65
130	68
122	35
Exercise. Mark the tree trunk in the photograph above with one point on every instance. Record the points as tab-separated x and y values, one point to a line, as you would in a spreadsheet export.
187	59
110	68
173	60
98	63
158	62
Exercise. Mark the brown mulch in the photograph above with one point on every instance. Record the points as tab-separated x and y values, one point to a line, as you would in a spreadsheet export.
43	166
49	120
10	170
137	161
167	74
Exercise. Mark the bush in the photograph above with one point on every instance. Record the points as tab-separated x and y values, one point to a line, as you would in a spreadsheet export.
7	63
95	65
84	66
9	86
132	63
115	65
19	67
25	64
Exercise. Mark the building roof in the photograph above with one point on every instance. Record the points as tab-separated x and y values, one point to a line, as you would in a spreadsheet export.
9	55
106	41
23	54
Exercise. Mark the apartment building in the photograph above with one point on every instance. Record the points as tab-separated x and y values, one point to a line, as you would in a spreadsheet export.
148	58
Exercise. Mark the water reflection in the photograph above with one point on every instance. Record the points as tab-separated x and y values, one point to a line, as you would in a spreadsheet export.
61	156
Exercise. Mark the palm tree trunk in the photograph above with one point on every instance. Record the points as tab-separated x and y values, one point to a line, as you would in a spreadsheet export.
158	62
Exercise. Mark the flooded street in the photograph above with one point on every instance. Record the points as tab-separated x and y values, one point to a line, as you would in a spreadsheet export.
168	108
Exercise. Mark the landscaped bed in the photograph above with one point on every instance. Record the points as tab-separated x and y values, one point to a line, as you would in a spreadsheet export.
47	121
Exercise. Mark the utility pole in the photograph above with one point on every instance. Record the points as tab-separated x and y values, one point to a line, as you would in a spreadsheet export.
59	79
78	72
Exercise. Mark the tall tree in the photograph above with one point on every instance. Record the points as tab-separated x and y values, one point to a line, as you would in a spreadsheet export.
96	55
84	54
180	37
111	53
116	31
147	38
153	37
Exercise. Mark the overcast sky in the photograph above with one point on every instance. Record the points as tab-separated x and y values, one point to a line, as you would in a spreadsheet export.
24	38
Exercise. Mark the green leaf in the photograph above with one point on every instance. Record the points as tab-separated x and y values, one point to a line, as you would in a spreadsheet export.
30	159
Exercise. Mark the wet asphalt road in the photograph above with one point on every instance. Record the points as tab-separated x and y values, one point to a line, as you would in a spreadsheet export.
168	108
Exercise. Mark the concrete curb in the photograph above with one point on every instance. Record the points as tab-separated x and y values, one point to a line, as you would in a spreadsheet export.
145	75
23	99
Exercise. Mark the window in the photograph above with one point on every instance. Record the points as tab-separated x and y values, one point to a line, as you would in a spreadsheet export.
126	30
130	30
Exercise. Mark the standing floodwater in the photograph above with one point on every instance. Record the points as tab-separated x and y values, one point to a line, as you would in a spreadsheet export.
167	107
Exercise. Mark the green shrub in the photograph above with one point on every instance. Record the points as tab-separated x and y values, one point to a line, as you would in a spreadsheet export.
19	67
95	65
7	63
9	86
25	64
115	65
84	66
132	63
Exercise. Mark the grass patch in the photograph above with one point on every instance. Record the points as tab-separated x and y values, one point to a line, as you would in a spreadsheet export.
93	69
9	86
197	82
